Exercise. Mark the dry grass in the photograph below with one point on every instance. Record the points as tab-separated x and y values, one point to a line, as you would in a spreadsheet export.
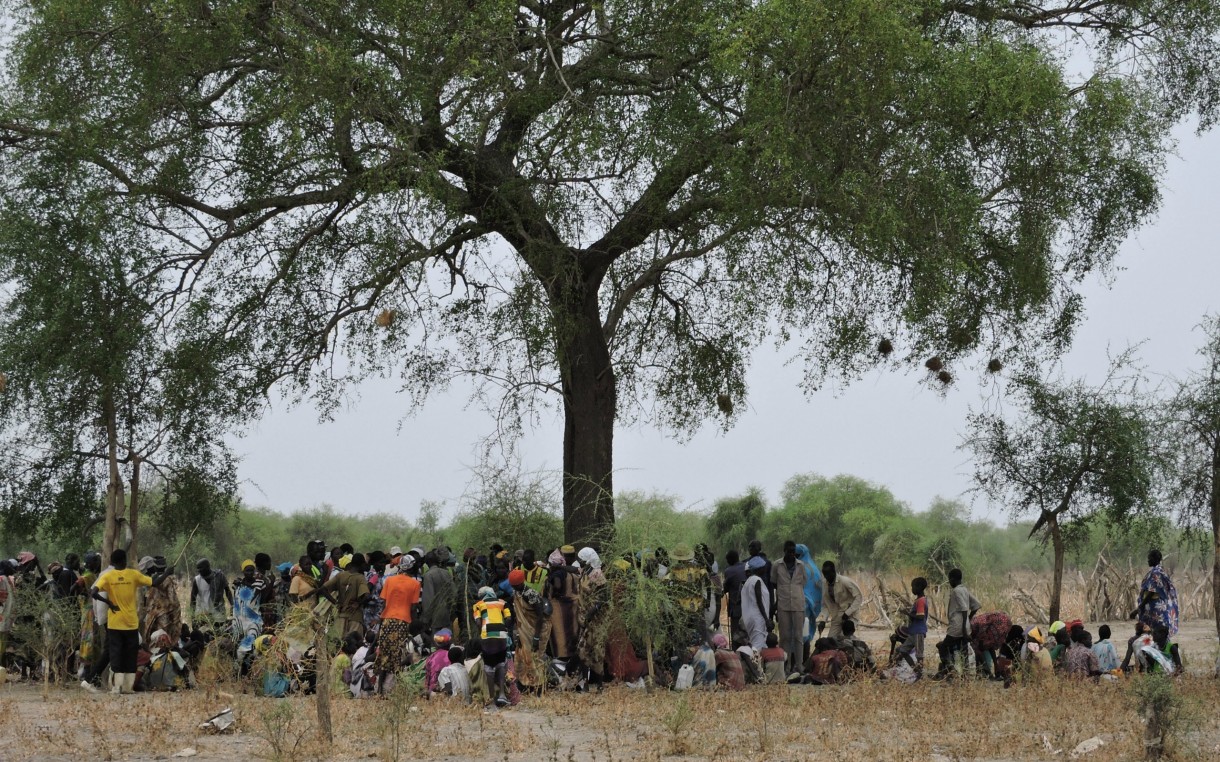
867	720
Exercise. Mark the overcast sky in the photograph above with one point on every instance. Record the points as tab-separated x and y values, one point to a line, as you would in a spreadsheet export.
887	428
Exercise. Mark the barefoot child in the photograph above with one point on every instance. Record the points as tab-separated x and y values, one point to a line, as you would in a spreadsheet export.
911	648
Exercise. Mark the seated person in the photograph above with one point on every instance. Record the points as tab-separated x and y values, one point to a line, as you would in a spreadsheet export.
827	664
1133	645
1161	656
1080	661
859	655
453	679
773	661
730	674
1103	649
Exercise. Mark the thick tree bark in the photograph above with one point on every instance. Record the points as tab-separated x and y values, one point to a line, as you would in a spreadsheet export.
589	406
1057	584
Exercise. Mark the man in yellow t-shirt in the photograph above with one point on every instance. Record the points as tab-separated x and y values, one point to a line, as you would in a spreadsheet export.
116	588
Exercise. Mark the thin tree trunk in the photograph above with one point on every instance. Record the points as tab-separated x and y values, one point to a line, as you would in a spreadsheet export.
1057	584
322	683
114	491
589	406
133	516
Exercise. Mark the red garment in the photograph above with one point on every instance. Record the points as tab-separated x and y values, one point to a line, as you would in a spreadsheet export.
990	630
730	675
624	664
827	667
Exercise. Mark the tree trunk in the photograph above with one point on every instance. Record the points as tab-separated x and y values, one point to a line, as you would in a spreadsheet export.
589	406
114	491
322	684
133	515
1215	500
1057	584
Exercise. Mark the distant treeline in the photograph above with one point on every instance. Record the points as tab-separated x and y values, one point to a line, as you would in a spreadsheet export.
846	519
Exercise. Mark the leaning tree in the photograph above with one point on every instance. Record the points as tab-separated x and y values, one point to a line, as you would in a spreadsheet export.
1070	453
608	206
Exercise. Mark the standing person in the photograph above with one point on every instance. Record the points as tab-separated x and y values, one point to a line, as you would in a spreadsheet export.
690	588
469	578
493	617
437	593
351	590
962	608
266	587
535	571
813	598
756	551
117	589
532	617
8	605
735	576
756	604
788	579
562	584
209	591
911	648
711	614
162	611
593	613
1158	601
247	617
401	595
841	599
99	654
375	576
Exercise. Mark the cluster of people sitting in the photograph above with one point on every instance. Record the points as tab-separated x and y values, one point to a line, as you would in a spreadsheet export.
494	626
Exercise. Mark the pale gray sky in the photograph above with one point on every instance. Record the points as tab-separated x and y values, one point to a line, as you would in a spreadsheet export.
887	428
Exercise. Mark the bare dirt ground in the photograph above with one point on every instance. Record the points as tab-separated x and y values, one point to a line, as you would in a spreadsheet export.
972	720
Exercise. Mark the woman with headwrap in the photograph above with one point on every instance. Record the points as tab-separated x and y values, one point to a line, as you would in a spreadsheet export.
401	594
247	613
162	610
562	587
532	617
492	616
1158	601
813	594
591	613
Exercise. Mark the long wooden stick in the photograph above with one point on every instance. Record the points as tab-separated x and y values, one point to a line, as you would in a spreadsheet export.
185	545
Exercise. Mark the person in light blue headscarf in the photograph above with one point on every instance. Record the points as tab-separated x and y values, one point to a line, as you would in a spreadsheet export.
813	588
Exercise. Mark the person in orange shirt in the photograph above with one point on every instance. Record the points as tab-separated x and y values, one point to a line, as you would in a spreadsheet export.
401	593
117	589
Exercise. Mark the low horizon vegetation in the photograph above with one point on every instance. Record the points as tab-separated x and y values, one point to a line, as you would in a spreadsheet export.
860	525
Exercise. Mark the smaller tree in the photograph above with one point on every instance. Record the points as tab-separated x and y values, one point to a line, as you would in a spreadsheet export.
1072	453
1194	436
735	521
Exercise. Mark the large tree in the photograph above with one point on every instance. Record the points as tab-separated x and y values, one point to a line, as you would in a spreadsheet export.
1070	453
617	202
1193	436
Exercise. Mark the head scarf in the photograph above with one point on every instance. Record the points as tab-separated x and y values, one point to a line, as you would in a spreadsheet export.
442	637
755	563
406	563
286	566
344	560
146	564
589	557
556	558
248	563
720	641
516	577
24	557
813	586
487	594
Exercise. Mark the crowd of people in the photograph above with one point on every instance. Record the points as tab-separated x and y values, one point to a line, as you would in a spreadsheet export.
493	626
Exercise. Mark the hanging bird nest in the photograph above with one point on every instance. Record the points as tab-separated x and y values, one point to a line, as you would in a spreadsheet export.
886	347
945	377
385	318
934	363
725	403
995	366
